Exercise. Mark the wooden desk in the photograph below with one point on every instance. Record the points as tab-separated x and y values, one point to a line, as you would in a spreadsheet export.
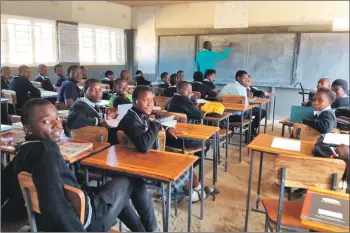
262	143
47	94
163	166
260	102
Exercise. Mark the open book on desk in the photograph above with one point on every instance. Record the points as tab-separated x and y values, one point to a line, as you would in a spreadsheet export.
168	121
71	149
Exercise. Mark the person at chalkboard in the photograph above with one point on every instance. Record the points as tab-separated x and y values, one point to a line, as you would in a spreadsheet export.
59	71
255	91
209	78
340	87
322	83
171	90
43	79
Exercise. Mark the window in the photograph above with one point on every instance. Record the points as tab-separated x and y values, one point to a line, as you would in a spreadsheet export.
101	45
27	41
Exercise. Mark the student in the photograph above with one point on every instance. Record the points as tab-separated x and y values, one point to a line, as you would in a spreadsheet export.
197	85
181	75
84	72
124	74
69	91
41	157
209	78
5	77
137	74
121	95
43	79
255	91
166	80
340	87
23	87
143	133
108	79
171	90
59	71
239	87
322	83
324	120
140	79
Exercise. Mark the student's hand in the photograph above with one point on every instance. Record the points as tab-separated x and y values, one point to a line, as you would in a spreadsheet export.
111	115
103	123
343	152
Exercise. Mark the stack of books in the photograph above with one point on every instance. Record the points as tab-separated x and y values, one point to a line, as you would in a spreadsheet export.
72	149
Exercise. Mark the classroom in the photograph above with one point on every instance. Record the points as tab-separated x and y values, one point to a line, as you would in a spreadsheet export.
235	111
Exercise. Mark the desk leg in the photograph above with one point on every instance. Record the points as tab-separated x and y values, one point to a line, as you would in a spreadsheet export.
249	190
265	118
273	111
86	176
250	125
202	180
226	150
215	154
189	225
163	205
259	181
168	202
7	112
259	118
283	127
240	137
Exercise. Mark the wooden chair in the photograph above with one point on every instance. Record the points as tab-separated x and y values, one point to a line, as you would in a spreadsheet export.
232	99
91	134
124	140
299	172
197	94
161	101
36	84
11	96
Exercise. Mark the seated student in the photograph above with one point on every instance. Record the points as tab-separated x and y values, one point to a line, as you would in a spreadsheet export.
322	83
108	79
324	120
124	74
121	95
140	79
69	91
166	80
23	87
84	72
59	71
171	90
143	133
43	79
239	87
255	91
197	85
340	87
181	75
137	74
5	77
209	78
41	157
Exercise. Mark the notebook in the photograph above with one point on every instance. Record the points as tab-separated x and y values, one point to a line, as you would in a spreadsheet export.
71	149
336	139
123	109
299	113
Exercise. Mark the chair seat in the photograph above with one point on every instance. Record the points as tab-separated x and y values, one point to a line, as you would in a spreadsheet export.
290	214
222	132
188	151
238	123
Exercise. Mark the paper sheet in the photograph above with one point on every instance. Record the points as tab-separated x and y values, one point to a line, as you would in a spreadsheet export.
123	109
336	139
170	124
286	144
113	123
202	101
157	108
231	14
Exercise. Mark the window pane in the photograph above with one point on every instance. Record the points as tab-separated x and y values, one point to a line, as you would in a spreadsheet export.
44	43
102	46
86	49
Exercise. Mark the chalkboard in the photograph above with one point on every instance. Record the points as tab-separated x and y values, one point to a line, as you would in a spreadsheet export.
269	58
323	55
177	53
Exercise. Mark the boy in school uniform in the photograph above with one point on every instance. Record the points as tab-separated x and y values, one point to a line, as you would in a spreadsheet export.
69	91
322	83
84	72
197	85
43	79
59	71
340	87
5	77
255	91
121	95
171	90
166	80
23	87
40	156
181	75
140	79
108	79
324	119
209	78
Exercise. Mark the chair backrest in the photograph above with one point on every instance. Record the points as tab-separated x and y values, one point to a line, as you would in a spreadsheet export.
36	84
10	95
161	101
124	140
75	196
305	171
91	134
161	91
197	94
305	132
232	99
60	106
180	117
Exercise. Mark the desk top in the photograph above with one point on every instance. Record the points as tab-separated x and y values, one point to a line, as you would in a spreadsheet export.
237	107
4	100
270	94
263	143
195	132
259	101
159	165
224	116
47	94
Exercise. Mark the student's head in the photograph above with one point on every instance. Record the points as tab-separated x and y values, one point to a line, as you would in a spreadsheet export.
40	121
109	74
249	80
340	87
42	70
210	74
142	98
165	77
184	88
58	69
242	77
93	90
6	71
75	73
174	79
124	74
198	76
324	83
207	45
84	70
323	98
121	86
139	73
24	71
181	75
